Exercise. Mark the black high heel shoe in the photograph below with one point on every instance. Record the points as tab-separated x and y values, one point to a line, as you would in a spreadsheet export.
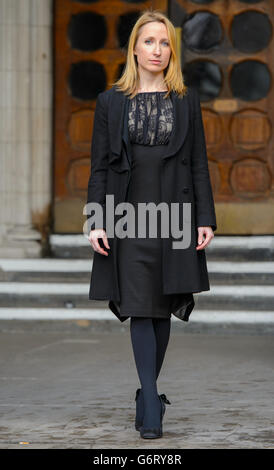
139	422
154	433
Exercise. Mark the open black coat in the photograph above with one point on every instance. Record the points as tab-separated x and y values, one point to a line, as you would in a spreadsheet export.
185	178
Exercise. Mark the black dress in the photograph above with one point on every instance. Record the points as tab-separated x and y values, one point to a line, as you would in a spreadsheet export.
150	121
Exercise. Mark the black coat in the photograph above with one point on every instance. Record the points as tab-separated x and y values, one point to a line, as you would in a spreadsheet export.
185	178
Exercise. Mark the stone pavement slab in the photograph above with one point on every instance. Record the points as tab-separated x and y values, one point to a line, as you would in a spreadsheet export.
66	385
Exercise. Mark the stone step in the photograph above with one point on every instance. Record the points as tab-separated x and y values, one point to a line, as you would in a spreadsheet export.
232	247
241	248
241	272
103	314
45	269
70	246
75	295
210	322
52	270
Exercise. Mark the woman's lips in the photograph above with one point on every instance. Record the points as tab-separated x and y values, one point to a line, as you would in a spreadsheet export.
155	61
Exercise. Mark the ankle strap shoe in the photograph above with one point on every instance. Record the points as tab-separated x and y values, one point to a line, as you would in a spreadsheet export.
154	433
138	421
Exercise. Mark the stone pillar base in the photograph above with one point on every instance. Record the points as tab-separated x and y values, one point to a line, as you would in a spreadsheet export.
22	243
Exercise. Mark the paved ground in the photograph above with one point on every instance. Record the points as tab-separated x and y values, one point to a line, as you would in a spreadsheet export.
69	385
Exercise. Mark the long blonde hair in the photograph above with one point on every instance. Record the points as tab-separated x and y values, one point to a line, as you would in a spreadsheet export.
173	76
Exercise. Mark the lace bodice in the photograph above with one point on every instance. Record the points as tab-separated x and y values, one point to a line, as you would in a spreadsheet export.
150	118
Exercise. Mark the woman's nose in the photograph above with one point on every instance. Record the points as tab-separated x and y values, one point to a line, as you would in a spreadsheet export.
157	50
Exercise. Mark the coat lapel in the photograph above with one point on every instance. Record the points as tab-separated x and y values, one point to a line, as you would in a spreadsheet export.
118	126
118	133
180	127
116	116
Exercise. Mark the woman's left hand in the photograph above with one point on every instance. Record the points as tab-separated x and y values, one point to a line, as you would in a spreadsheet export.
208	232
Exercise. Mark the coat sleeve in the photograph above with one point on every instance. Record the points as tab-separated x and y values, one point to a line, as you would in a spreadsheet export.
99	160
203	194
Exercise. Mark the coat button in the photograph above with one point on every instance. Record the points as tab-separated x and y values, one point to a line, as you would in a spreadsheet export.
186	190
184	161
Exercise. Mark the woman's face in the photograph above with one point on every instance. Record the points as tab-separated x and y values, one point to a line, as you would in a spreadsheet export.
153	45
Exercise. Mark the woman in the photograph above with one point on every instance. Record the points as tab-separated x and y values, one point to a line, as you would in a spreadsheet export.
144	270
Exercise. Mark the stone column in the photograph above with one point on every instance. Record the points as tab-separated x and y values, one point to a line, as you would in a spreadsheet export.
25	125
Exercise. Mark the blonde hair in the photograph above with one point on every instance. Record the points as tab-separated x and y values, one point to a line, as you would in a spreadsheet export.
173	76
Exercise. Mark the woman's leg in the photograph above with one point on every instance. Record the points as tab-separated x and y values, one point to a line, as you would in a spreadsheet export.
145	353
162	334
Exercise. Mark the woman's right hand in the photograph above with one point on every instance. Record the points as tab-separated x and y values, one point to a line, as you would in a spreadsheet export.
93	238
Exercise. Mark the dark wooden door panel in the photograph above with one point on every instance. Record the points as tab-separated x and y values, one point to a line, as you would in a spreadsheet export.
227	52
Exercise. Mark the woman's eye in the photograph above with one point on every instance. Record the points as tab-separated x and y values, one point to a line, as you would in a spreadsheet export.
148	40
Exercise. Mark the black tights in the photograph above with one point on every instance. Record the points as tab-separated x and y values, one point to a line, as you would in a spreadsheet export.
149	338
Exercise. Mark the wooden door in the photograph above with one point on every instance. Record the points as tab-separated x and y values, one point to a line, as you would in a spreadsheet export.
227	52
90	38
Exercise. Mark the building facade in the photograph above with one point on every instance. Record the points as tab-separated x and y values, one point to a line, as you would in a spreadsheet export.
56	56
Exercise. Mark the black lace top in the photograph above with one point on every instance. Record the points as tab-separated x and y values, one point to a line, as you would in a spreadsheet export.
150	118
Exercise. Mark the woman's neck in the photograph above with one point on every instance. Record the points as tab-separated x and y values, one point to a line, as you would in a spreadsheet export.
148	91
143	87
